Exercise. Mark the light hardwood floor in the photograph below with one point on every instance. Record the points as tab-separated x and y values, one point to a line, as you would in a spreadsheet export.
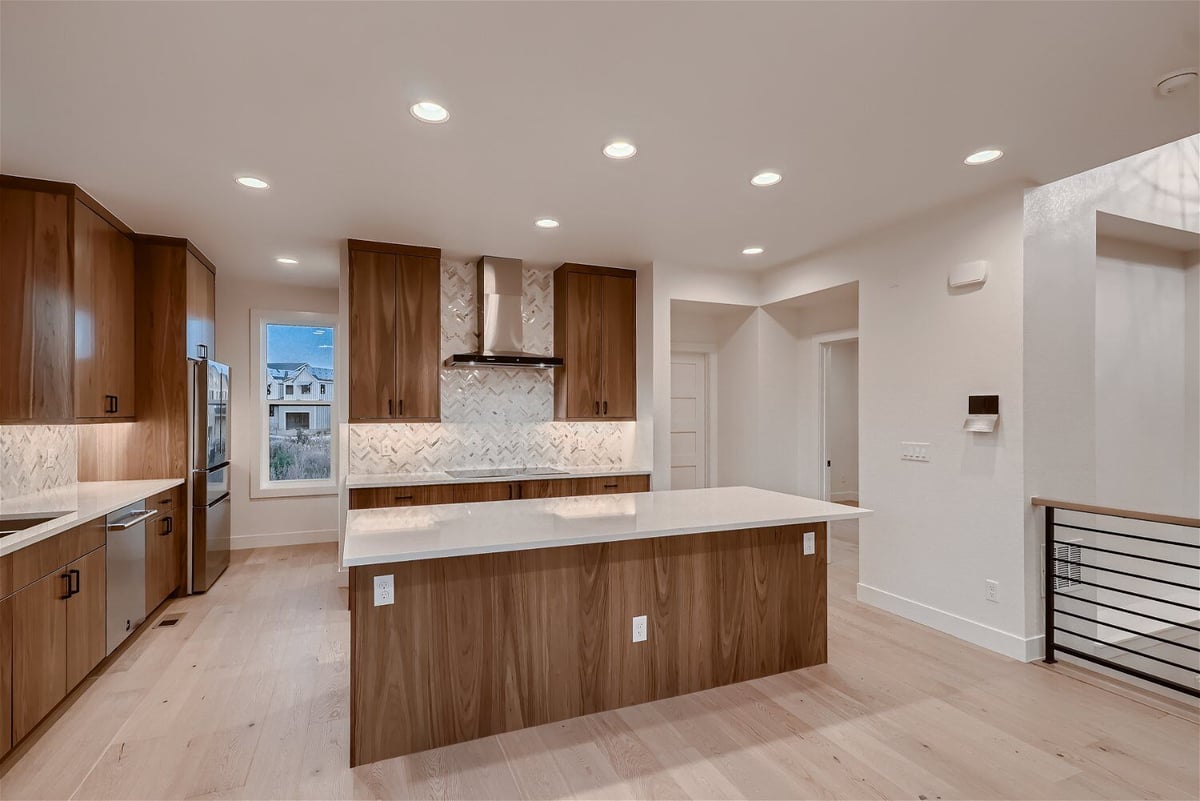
247	696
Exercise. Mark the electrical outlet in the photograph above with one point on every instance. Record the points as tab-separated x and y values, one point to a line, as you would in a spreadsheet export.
991	588
385	590
639	628
810	543
914	451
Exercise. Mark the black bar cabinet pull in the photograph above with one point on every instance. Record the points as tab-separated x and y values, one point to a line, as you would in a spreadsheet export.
168	526
400	408
67	576
597	407
404	497
389	407
606	407
74	574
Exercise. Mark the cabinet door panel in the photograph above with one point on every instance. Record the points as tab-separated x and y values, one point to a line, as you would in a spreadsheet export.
162	558
419	304
372	336
583	354
39	651
36	342
104	318
619	360
201	310
6	665
86	641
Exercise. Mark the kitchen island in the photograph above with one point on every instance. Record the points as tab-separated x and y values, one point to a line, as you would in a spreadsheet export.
472	619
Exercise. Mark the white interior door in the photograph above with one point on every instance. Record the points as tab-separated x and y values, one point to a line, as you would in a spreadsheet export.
689	421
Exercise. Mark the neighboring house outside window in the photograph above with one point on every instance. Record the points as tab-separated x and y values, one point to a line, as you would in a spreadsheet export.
297	452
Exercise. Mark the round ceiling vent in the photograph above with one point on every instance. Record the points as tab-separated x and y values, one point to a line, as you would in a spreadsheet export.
1175	81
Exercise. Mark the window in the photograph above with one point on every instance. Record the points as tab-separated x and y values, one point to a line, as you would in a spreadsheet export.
296	447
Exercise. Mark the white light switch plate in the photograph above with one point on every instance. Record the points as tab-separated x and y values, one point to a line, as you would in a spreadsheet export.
639	628
810	543
914	451
385	590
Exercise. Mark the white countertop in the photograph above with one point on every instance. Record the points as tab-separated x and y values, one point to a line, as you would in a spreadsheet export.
80	503
417	479
379	536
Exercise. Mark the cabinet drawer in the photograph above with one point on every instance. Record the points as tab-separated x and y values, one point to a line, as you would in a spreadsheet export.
166	500
43	558
425	495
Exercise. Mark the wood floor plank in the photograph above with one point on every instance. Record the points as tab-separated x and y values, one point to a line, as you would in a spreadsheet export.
247	697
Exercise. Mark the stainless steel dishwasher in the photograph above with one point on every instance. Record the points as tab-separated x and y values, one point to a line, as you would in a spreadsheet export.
125	564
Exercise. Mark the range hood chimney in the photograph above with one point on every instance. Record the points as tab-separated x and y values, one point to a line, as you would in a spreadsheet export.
499	322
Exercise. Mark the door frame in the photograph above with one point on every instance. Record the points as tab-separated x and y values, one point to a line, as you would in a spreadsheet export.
708	354
822	343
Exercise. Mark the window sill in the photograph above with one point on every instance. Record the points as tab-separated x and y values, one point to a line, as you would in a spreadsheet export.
295	489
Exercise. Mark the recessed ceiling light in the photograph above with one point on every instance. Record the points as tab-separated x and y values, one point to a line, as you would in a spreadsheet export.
546	222
620	150
287	260
766	178
251	182
754	251
983	156
427	111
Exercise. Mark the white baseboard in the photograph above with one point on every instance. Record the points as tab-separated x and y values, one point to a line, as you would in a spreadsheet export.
836	497
245	541
1002	642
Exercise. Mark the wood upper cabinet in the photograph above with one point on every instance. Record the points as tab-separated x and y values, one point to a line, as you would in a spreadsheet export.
39	650
395	332
201	309
104	318
36	287
595	334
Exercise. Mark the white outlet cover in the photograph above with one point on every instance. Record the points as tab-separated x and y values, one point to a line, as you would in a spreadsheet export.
639	628
810	543
385	590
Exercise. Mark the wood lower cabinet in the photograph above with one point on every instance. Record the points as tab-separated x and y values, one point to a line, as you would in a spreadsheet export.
39	650
163	545
37	345
595	334
395	332
104	318
86	621
6	668
430	494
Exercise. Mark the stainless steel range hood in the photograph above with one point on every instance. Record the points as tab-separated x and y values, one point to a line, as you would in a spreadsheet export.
499	322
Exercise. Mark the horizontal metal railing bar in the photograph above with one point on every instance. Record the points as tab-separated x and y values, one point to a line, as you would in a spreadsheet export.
1138	576
1110	511
1128	671
1126	553
1164	640
1127	592
1188	668
1129	536
1073	597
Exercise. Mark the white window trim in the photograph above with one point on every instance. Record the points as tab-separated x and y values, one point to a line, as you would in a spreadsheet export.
260	485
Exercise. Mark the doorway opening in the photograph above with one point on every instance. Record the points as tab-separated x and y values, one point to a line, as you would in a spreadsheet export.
838	435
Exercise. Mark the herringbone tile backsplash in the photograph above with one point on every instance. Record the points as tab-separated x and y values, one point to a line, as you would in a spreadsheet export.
490	417
35	458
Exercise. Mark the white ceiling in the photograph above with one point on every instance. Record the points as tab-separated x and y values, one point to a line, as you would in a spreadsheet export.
866	108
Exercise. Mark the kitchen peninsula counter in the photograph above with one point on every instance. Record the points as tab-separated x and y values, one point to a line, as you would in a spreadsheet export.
472	619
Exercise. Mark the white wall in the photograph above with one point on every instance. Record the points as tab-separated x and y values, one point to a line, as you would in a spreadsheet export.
939	529
1160	187
260	522
841	416
1191	263
1144	458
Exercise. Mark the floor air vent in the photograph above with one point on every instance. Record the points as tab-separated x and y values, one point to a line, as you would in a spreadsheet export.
168	621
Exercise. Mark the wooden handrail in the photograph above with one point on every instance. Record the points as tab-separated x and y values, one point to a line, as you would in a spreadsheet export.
1109	511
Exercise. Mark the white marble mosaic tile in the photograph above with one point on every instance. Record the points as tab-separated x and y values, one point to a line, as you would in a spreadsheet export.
36	458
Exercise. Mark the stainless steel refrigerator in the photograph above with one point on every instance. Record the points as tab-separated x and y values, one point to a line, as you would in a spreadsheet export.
209	554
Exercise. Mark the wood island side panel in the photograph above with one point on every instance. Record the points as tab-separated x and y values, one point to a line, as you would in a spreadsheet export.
483	644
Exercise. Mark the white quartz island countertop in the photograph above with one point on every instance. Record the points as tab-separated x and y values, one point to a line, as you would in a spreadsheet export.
403	534
74	505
